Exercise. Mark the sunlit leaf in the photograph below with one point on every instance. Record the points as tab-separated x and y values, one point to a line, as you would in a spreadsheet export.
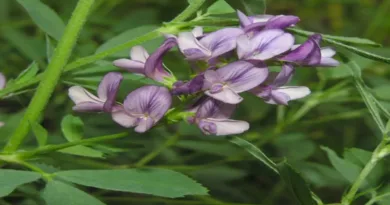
45	17
11	179
59	193
158	182
220	7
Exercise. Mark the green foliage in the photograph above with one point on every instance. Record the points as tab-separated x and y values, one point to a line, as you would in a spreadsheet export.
60	193
40	133
29	73
11	179
220	7
44	17
158	182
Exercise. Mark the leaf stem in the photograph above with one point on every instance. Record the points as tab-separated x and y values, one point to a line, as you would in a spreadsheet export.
349	197
52	74
189	11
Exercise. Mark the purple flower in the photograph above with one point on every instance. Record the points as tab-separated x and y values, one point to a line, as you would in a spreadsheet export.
212	118
3	81
143	108
190	87
210	46
275	93
154	68
136	63
105	101
266	21
311	54
225	83
264	45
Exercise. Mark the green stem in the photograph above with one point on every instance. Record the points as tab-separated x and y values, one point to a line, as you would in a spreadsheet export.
169	142
349	197
51	148
189	11
52	74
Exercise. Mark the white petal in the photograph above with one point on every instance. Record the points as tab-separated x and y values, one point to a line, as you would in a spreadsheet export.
79	95
123	119
138	53
327	52
295	92
229	127
197	31
227	95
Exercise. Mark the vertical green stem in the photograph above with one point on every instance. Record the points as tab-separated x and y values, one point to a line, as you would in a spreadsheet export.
191	9
51	75
349	197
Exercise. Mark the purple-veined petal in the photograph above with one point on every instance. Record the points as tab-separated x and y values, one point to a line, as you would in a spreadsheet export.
308	53
144	124
153	101
79	95
279	98
211	108
108	89
241	76
221	41
244	19
211	77
3	81
130	65
190	87
138	53
270	43
244	46
153	65
122	118
221	127
281	22
226	95
191	47
284	76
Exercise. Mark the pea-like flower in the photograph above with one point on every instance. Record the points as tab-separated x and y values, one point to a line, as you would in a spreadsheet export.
264	22
264	45
104	102
225	83
212	117
136	63
192	86
311	54
210	46
143	108
274	91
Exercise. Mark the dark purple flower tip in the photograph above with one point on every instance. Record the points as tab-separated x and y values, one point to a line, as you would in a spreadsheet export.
308	53
281	22
107	91
3	81
154	64
185	88
143	108
136	63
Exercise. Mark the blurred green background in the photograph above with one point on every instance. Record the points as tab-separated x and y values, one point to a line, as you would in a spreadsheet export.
333	116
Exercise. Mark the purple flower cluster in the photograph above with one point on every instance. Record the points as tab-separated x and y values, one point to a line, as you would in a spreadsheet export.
225	63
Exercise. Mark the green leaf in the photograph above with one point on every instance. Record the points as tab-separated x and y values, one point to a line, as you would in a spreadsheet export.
11	179
158	182
59	193
49	48
349	170
254	151
251	7
29	73
382	92
72	127
296	184
81	150
125	37
40	133
44	17
220	7
214	148
342	39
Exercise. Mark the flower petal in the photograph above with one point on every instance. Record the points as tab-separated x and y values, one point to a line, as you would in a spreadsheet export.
284	76
197	31
221	127
211	77
278	98
123	119
150	100
270	43
153	65
88	107
138	53
329	62
144	124
227	95
244	19
190	87
221	41
108	89
294	92
281	22
244	46
130	65
242	76
191	47
3	81
308	53
80	95
211	108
